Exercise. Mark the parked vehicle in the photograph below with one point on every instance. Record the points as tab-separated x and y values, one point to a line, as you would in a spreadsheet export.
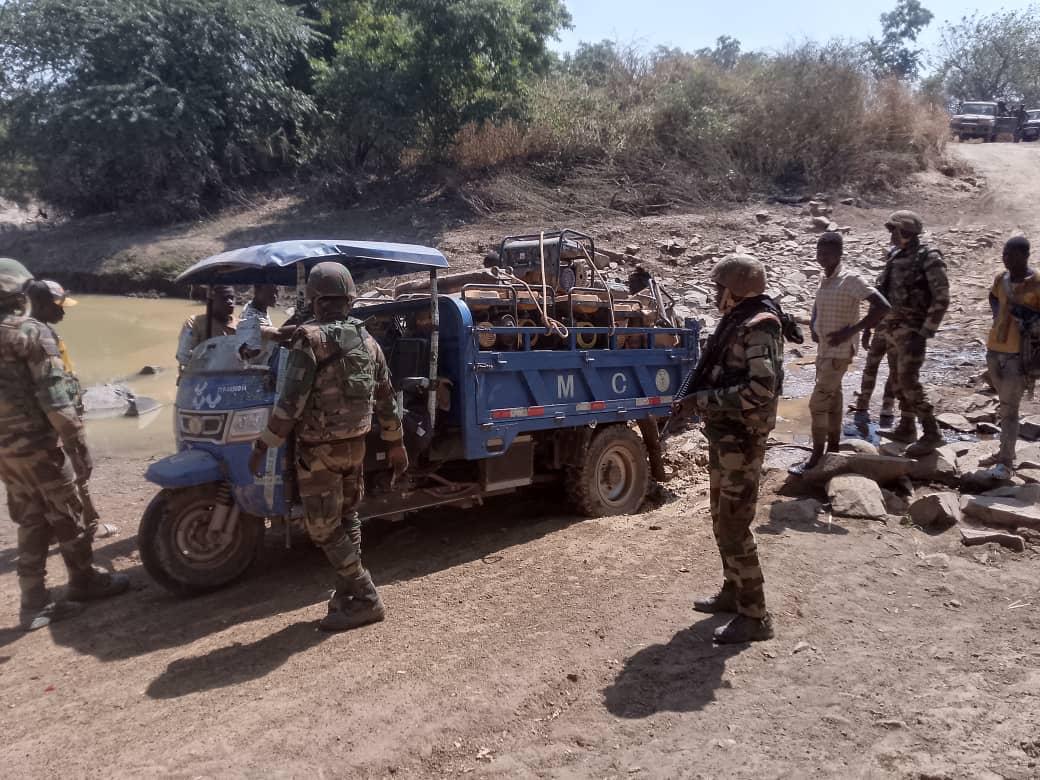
982	119
1030	131
520	380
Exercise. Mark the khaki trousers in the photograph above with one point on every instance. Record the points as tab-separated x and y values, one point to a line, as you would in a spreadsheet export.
826	404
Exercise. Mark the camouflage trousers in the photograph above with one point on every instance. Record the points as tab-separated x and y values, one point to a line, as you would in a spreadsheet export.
906	353
877	351
44	503
735	458
330	480
826	405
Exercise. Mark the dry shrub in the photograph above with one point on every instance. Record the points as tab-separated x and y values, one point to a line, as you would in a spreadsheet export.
902	124
481	146
811	117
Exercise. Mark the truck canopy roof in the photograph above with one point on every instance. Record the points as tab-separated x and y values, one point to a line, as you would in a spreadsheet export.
276	263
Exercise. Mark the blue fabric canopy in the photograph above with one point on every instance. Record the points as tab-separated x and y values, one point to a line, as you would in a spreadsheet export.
276	263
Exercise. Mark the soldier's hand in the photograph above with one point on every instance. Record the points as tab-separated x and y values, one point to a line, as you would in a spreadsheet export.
398	458
256	460
866	339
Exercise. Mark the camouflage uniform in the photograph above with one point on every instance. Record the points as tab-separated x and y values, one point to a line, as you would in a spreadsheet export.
740	411
335	375
875	354
915	283
40	437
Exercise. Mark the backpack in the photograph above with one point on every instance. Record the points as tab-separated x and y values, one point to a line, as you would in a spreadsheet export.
1029	326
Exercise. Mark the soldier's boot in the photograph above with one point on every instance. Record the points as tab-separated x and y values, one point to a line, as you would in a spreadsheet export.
905	432
929	441
355	603
745	629
39	609
888	412
97	584
88	582
723	601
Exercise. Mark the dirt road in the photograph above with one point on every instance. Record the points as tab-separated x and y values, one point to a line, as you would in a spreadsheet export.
524	642
1013	187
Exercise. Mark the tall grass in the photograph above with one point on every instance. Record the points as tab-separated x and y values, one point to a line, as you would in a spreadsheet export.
809	117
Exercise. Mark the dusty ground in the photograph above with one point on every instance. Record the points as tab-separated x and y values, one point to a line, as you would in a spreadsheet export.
523	642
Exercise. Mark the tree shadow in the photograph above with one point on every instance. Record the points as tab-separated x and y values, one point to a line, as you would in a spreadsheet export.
235	664
681	676
149	619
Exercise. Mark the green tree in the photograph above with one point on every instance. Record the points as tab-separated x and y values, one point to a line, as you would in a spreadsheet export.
893	55
412	72
726	53
993	57
157	105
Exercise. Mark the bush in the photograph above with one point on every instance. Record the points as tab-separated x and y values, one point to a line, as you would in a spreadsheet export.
811	117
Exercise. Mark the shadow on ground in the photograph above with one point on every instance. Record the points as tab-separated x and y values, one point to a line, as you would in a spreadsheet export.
681	676
781	519
150	619
237	663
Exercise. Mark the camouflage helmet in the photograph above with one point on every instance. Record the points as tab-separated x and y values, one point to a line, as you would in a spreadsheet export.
13	277
330	280
742	275
907	221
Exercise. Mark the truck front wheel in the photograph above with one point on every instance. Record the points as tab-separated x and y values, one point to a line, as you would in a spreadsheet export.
176	550
611	478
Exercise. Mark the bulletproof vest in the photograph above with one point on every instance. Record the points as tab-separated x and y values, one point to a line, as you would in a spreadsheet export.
20	413
340	403
906	287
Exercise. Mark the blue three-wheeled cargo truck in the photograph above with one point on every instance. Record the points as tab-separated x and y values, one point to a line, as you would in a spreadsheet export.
533	371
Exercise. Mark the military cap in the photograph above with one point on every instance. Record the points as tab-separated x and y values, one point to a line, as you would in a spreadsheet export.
907	221
13	276
742	275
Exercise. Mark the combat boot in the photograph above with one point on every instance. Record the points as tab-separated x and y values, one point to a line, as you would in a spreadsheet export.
95	584
723	601
928	442
39	610
905	432
888	413
745	629
355	603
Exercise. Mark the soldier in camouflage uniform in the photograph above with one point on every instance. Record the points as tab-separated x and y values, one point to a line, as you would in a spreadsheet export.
915	283
43	452
335	374
877	349
743	372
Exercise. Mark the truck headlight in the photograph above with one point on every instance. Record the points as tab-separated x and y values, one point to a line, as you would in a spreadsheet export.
247	424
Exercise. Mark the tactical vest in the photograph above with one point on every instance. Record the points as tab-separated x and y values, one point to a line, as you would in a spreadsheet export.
340	403
915	293
20	413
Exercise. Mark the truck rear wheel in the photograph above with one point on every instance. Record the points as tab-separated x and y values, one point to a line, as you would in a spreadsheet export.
611	478
176	552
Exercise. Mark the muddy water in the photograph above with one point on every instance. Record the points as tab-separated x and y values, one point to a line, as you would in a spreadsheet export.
110	339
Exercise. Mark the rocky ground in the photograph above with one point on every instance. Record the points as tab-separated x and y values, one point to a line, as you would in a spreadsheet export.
526	642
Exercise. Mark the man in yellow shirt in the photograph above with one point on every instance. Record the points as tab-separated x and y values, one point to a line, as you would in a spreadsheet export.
1018	286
